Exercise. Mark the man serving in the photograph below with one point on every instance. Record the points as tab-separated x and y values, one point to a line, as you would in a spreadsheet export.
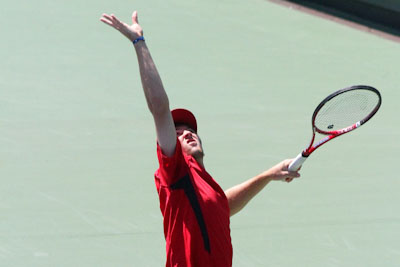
196	210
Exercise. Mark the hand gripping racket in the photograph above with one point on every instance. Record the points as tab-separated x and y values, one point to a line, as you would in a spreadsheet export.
341	112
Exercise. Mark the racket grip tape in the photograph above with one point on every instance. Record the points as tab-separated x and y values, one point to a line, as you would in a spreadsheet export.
297	162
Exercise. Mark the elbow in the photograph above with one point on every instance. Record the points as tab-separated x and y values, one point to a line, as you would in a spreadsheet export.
234	206
234	209
158	107
158	104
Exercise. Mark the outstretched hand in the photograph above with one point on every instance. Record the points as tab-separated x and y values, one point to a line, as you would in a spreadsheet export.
132	32
281	171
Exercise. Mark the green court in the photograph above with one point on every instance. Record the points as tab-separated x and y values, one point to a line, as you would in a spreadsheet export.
78	148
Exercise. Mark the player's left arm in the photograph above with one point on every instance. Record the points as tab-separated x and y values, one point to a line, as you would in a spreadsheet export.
239	195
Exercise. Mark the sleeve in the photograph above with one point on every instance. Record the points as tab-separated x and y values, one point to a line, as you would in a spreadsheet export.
171	169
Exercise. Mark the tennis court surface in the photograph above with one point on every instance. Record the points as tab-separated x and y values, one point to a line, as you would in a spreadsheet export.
78	147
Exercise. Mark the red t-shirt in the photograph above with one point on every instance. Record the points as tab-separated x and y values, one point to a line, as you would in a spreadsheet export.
195	211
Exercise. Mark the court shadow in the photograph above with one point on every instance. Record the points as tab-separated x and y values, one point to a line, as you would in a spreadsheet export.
375	15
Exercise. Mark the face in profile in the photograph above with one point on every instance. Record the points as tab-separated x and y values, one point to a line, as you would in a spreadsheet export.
190	141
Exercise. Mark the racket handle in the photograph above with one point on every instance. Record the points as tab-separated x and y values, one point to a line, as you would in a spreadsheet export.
297	162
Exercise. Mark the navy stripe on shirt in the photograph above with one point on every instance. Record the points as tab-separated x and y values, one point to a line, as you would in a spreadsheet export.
186	184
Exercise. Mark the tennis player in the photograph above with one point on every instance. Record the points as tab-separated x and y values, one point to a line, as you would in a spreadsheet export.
196	210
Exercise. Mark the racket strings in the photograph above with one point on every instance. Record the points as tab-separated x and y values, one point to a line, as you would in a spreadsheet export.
346	109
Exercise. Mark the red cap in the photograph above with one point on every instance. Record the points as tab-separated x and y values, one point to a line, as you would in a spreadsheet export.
184	116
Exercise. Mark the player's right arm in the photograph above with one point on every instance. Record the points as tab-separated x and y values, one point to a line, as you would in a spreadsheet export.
239	195
156	97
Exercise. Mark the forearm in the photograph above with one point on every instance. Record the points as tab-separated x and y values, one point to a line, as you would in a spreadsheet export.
239	195
156	97
154	92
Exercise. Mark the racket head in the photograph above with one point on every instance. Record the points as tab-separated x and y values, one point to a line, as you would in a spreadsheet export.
346	109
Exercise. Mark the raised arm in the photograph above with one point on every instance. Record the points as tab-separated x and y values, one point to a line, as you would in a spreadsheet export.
239	195
156	97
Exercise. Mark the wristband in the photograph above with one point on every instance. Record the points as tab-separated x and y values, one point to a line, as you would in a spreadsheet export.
141	38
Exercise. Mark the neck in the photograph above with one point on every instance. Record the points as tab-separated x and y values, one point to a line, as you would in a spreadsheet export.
199	160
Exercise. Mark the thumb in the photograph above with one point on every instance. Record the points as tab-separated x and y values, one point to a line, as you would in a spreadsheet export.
294	174
135	17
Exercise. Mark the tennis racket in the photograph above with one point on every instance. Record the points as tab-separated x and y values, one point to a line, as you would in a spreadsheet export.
341	112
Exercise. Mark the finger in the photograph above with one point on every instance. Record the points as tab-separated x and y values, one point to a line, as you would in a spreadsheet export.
289	174
286	163
104	15
115	19
135	17
111	18
106	21
294	174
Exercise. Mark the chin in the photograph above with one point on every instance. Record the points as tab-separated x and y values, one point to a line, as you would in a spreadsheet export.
196	152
